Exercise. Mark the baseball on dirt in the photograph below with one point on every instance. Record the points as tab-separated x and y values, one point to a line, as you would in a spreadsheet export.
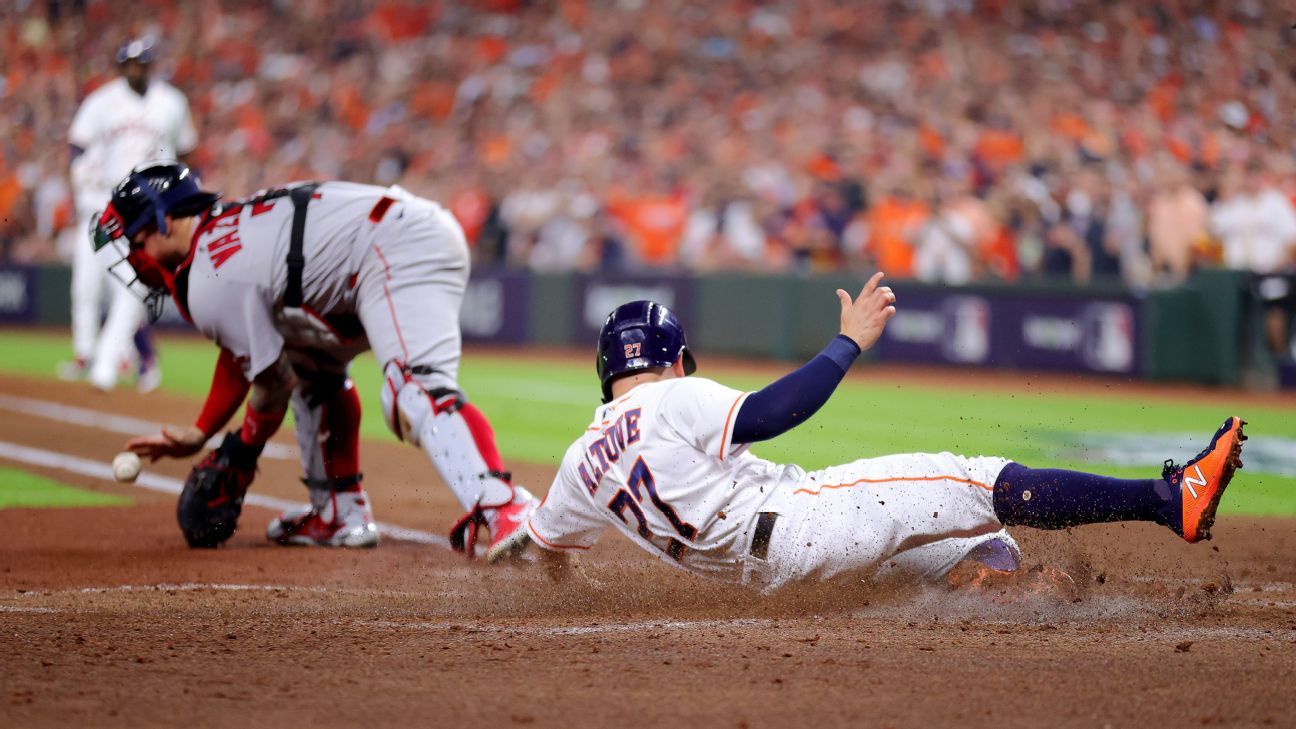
126	467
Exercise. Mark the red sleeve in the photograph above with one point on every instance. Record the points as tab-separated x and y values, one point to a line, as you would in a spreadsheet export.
228	389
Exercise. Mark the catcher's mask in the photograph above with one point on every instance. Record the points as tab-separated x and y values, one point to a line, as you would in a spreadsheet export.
637	336
139	206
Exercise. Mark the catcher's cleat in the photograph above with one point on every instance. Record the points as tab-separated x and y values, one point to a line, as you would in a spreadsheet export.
507	525
1202	480
509	530
73	370
150	377
343	519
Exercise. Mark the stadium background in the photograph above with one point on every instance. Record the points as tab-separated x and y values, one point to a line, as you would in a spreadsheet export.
1083	149
738	160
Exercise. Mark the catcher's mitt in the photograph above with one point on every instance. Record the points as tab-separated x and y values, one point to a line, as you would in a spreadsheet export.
212	498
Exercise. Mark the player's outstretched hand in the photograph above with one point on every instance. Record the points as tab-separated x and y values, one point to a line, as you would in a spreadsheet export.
170	443
864	318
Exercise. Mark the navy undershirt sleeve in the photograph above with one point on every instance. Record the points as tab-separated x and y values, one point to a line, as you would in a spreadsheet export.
792	399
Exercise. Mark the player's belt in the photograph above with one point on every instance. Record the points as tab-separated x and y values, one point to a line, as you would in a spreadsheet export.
761	537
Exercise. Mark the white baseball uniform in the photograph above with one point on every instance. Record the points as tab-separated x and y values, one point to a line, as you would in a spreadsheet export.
395	264
383	269
117	129
658	463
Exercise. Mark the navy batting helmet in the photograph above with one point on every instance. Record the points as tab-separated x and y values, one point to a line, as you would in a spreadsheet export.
137	49
638	336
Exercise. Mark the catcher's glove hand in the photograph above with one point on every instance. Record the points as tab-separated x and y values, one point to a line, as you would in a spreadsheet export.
212	498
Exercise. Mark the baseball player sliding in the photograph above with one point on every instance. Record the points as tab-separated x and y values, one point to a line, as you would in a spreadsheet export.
124	122
666	462
292	284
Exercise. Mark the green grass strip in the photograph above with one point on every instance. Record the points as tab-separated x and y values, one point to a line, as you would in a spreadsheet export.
22	490
538	407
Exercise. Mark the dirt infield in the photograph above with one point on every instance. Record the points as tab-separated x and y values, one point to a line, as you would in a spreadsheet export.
107	619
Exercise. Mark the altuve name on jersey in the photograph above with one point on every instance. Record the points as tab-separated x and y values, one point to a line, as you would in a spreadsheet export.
608	447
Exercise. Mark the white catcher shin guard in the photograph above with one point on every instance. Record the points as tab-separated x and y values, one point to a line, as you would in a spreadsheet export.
432	421
457	438
449	442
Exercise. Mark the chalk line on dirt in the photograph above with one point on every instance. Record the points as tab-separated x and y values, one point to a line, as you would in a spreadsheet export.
1207	632
195	586
110	422
191	587
647	625
164	484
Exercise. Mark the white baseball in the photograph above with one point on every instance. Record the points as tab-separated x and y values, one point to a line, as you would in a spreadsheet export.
126	467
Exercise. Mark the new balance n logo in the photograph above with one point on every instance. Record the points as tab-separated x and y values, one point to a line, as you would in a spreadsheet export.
1189	481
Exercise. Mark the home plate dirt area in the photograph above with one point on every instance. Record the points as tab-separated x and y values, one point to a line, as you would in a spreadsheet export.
106	618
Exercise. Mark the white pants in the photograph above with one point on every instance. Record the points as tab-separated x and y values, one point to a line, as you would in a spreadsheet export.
105	349
918	513
410	287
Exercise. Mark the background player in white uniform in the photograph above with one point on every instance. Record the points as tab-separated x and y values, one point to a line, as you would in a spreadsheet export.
124	122
375	268
666	462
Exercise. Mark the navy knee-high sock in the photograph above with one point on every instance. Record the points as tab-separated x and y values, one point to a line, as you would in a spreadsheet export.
1052	498
144	345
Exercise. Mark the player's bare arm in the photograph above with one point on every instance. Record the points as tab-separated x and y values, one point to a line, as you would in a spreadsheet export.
272	388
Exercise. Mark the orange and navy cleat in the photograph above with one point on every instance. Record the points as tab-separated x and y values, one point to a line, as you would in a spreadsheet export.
1201	481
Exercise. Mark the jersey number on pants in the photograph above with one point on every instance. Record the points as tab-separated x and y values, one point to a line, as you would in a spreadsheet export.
641	479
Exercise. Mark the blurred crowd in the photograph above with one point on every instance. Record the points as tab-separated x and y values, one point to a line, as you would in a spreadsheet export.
950	140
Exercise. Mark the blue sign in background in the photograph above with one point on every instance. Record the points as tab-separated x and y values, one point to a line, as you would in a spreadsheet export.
495	307
19	294
598	296
1009	329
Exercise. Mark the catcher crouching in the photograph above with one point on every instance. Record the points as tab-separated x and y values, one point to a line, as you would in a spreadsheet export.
292	284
